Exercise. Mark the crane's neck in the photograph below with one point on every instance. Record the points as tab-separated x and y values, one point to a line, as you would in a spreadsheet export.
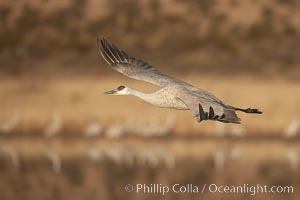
148	97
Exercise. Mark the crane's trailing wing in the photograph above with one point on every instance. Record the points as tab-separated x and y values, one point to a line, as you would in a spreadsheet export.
205	109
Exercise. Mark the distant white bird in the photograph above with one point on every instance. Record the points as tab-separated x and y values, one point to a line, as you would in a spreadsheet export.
292	129
54	127
173	94
155	155
55	159
167	156
235	152
9	125
93	153
219	157
293	159
93	129
116	155
153	129
12	154
129	156
148	157
116	130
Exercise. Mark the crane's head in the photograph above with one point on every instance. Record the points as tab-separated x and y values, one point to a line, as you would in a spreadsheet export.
121	90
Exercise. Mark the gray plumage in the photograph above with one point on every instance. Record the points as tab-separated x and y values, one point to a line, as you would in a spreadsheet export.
173	94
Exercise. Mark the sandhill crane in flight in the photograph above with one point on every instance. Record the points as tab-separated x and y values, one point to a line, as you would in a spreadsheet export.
173	94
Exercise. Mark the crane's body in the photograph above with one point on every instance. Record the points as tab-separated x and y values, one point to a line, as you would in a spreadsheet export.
173	93
162	98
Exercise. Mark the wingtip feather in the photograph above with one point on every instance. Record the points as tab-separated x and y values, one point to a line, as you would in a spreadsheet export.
111	53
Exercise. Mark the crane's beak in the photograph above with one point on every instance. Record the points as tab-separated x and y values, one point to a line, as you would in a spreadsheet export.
111	91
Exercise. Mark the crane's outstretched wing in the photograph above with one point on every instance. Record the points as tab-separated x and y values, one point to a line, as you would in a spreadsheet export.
131	67
207	109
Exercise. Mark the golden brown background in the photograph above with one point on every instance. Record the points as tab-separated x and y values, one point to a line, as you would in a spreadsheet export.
52	79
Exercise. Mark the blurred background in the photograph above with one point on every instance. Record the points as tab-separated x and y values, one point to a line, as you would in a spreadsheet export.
61	138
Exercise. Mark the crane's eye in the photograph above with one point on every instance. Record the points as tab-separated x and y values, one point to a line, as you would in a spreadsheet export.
121	87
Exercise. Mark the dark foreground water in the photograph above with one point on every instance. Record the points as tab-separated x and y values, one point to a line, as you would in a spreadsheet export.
131	168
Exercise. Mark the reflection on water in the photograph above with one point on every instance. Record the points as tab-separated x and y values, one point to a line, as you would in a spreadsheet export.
76	168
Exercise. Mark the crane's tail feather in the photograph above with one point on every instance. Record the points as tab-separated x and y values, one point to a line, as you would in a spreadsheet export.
249	110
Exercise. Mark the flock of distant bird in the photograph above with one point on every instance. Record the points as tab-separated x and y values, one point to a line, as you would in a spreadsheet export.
136	128
130	156
94	128
127	155
119	155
